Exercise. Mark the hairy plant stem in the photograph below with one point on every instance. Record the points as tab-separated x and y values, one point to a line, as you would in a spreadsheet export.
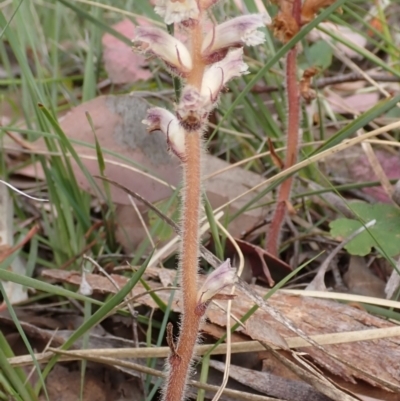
180	358
293	99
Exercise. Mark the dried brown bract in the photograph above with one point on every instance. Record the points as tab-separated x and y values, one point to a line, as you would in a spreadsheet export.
306	92
284	27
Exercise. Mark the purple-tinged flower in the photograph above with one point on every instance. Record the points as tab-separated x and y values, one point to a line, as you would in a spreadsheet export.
194	106
222	277
217	75
176	11
192	109
236	32
155	41
163	120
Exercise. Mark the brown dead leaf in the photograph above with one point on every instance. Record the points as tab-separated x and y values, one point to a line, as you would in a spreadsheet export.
65	385
100	384
263	264
123	66
352	165
272	385
363	171
348	34
358	103
118	127
380	358
278	162
360	280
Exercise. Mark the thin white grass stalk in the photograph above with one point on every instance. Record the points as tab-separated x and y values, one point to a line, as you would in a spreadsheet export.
339	296
255	157
106	161
121	11
345	337
348	143
302	145
354	67
142	222
172	245
23	193
228	314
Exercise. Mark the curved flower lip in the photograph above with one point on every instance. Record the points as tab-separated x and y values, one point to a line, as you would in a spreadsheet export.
176	11
163	120
222	277
157	42
194	106
217	75
236	32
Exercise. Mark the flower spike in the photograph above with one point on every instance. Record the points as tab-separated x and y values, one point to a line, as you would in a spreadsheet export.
236	32
155	41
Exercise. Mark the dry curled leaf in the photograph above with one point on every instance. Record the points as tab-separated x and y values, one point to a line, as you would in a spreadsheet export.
377	361
306	92
278	162
284	27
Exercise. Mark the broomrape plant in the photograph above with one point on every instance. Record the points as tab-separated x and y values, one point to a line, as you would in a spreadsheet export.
205	64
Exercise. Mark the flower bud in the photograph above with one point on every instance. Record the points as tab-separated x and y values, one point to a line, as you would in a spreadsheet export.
236	32
155	41
192	109
176	11
222	277
163	120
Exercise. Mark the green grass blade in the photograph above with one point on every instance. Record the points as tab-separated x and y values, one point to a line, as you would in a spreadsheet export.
103	27
99	315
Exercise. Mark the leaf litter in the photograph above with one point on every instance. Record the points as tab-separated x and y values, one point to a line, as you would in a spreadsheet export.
362	361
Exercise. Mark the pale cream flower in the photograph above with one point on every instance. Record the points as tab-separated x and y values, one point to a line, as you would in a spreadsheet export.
222	277
176	11
163	120
217	75
236	32
194	106
155	41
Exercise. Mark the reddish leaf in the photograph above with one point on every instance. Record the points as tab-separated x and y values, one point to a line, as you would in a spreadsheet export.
121	63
